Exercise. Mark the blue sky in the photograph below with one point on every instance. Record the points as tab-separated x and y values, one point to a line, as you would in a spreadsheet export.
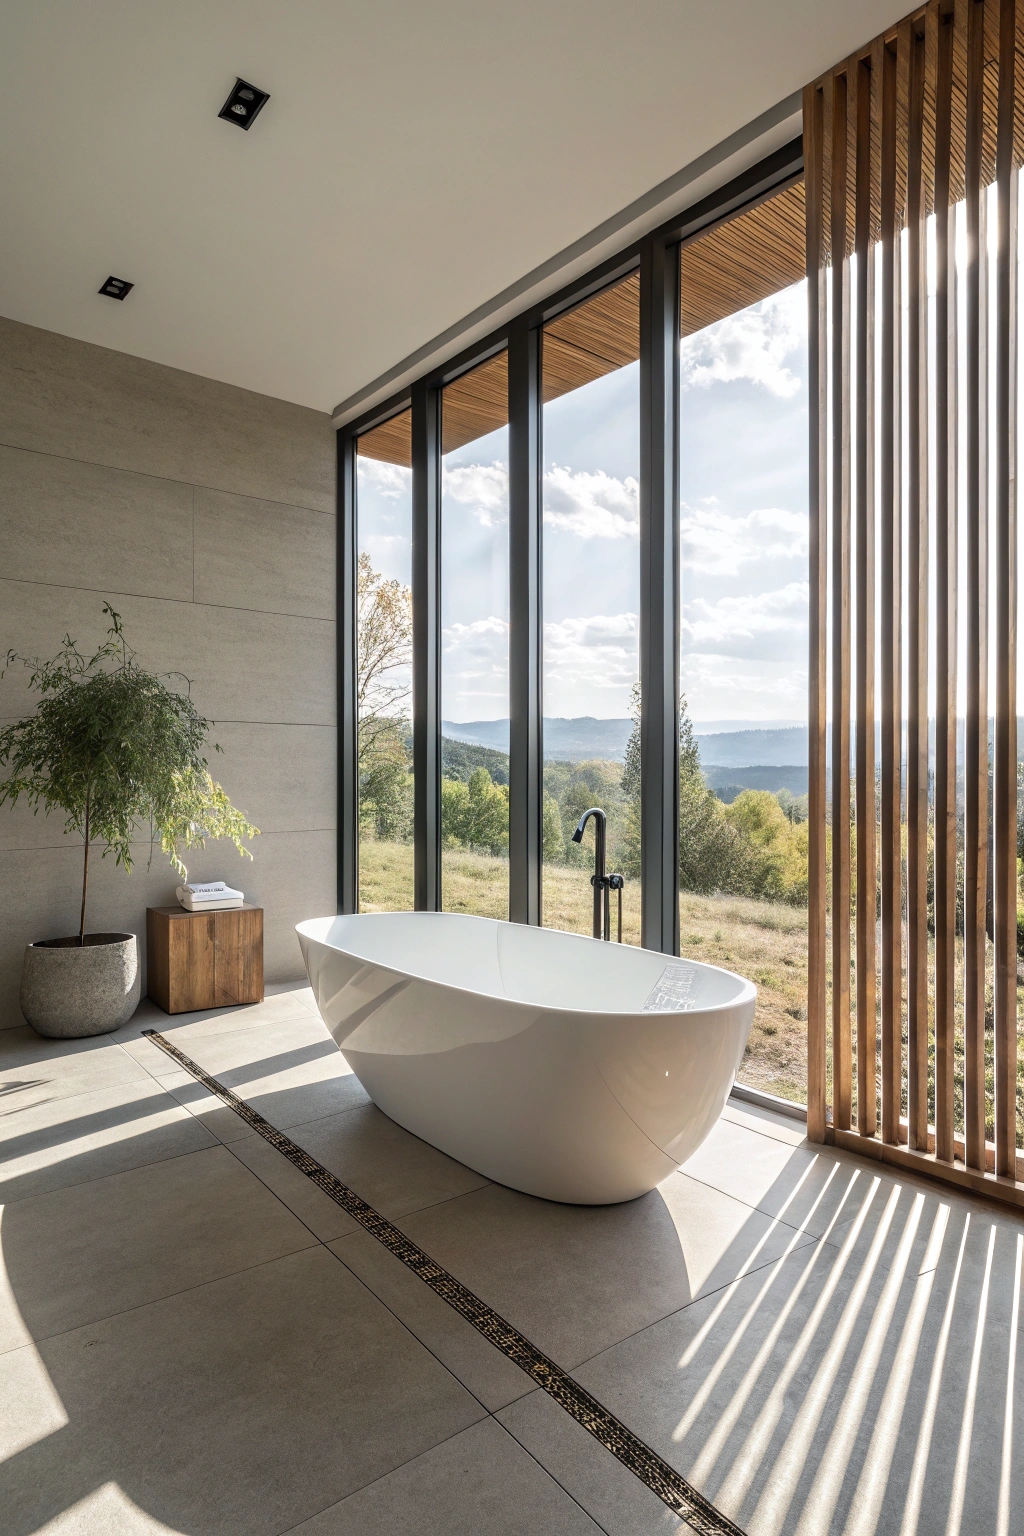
743	493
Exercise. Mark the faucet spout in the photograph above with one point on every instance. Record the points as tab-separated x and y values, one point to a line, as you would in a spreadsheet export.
602	910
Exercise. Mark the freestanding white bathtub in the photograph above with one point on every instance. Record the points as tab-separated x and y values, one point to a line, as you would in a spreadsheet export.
528	1054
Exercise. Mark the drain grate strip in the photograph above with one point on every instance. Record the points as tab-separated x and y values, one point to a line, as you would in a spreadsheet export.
656	1474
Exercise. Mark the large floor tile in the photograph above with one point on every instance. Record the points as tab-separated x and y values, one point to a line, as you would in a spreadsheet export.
578	1278
392	1169
108	1511
278	1007
34	1070
316	1210
290	1072
488	1374
808	1186
79	1254
766	1122
215	1116
617	1499
479	1483
919	1226
830	1392
238	1408
67	1141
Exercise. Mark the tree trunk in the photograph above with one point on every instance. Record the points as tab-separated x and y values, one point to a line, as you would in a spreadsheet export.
85	875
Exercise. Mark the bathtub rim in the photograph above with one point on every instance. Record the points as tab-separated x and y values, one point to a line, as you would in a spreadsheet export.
747	993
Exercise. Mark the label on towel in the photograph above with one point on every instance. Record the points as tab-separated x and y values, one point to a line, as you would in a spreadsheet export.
674	991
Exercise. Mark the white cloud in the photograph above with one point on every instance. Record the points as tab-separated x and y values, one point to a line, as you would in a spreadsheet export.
590	665
391	481
719	544
753	344
474	669
481	487
591	504
767	626
717	689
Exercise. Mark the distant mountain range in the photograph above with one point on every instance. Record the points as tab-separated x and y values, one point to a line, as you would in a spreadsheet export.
786	745
733	744
570	741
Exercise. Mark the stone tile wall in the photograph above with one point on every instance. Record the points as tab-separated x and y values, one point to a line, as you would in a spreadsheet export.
206	516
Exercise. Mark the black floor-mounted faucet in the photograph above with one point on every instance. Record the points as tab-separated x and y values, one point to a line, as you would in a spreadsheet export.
602	882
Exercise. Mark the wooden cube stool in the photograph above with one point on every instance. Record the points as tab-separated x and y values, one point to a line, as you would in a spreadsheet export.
204	959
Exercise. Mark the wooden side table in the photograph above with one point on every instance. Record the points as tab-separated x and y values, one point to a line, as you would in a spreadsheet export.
204	959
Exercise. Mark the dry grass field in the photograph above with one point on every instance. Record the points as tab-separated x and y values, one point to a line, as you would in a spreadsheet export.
759	939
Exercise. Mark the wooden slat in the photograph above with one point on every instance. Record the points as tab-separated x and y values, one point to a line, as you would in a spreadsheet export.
391	442
605	328
839	403
475	404
867	877
890	555
817	366
597	337
945	594
743	260
976	603
1005	746
917	603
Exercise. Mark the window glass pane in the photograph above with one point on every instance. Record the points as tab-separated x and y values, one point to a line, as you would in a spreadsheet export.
474	642
591	600
743	550
384	640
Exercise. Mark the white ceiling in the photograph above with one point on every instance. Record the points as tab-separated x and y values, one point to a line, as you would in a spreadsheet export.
413	160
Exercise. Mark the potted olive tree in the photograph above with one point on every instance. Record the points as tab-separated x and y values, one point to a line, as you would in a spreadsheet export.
111	746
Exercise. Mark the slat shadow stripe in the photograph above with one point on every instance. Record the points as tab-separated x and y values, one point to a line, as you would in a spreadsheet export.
634	1454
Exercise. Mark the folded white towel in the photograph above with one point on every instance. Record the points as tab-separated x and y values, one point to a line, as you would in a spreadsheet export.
213	901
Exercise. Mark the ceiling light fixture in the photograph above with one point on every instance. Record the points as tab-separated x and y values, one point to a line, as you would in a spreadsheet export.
243	104
116	288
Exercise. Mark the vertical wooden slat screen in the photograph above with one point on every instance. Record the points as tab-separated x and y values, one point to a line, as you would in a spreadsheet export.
840	402
867	877
976	604
817	480
891	554
912	151
946	546
1004	842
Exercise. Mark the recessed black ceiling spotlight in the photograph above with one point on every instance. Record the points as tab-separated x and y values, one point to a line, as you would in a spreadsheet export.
243	104
116	288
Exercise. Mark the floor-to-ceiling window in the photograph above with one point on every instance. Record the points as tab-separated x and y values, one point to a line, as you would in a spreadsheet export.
591	603
474	641
384	665
743	663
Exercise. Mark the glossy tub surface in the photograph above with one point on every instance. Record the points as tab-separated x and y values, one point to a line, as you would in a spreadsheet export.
527	1053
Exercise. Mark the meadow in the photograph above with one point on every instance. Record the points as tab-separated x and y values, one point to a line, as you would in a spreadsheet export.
766	941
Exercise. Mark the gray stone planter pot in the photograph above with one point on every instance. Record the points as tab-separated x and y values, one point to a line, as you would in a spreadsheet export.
68	991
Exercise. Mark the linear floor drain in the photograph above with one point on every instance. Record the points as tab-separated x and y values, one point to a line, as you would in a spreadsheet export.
655	1473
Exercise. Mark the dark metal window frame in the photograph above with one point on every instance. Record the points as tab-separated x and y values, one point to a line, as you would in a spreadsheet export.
656	258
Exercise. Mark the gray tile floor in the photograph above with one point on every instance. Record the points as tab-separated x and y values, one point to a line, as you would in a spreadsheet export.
195	1339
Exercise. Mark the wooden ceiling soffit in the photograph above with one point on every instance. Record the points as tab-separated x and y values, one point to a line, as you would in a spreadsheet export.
734	265
475	404
743	260
922	25
391	442
593	339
